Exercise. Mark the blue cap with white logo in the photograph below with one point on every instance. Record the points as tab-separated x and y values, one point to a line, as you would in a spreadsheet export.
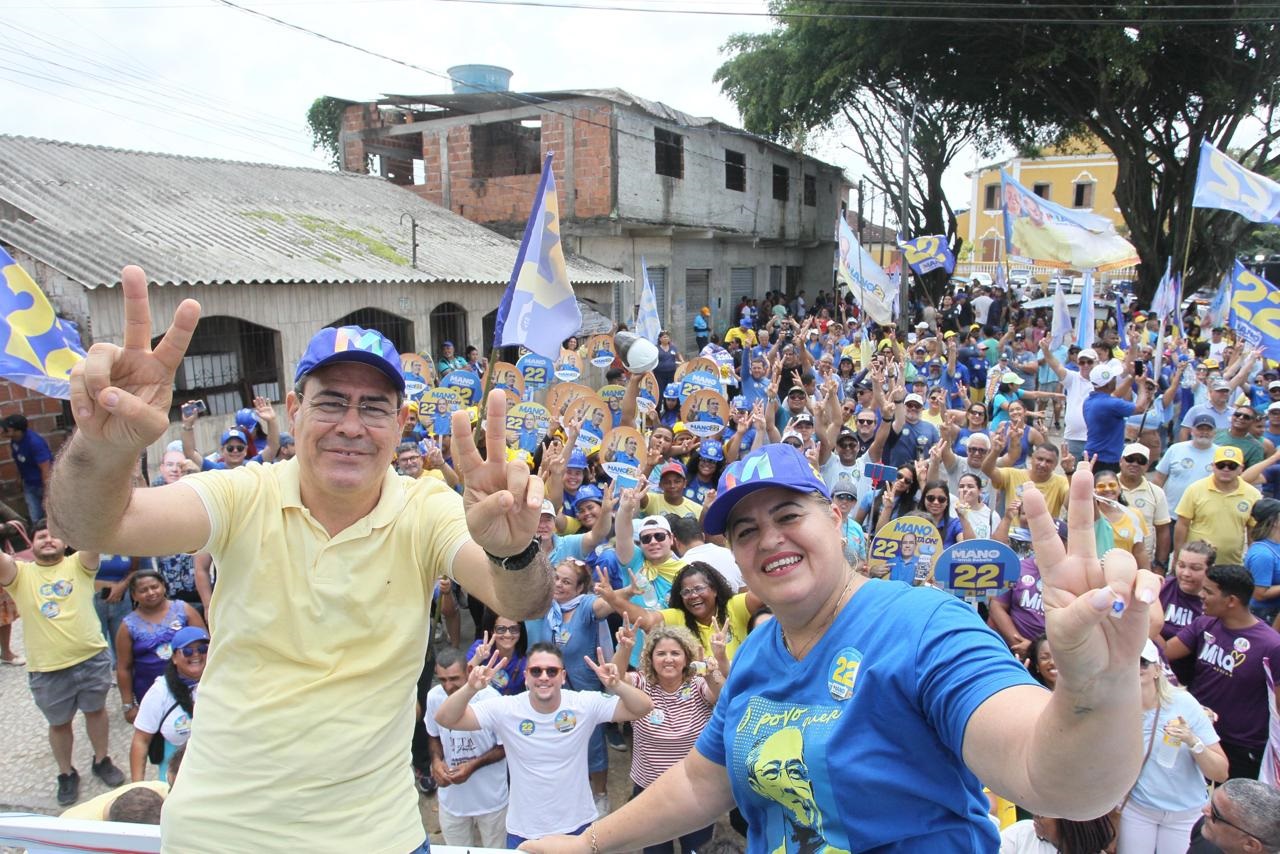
351	344
773	465
587	492
577	460
671	392
710	449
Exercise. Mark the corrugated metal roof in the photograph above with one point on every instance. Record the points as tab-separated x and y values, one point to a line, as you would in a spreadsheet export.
189	220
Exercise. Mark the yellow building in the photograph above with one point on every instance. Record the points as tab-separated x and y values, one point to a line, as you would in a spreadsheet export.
1079	176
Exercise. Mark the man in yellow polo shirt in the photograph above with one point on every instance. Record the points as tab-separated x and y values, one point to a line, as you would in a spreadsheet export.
1040	473
68	665
327	564
1216	508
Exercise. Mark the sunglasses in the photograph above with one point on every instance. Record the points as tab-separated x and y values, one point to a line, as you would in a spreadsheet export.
1084	361
935	498
866	421
1247	416
539	672
1226	466
1135	458
506	630
234	449
194	649
1217	817
659	537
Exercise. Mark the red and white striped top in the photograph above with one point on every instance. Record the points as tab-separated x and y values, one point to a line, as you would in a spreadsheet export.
668	733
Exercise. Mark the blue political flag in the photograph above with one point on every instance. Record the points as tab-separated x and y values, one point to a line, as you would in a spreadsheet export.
538	309
40	347
648	323
1224	184
1085	326
928	253
1252	311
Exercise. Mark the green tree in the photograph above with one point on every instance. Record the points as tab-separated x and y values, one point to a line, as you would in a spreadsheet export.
1150	81
324	117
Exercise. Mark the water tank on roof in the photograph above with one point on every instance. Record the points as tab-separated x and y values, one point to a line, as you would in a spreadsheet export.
468	79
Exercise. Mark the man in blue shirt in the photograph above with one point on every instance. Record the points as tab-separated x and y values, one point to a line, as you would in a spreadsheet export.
1105	415
911	438
35	462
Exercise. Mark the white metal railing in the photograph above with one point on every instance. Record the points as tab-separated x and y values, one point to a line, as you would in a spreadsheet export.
43	834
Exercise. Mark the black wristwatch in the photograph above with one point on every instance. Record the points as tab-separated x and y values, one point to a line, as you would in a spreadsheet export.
517	561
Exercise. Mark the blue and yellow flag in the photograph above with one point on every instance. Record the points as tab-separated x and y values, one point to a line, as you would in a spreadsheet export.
40	348
928	253
648	323
538	309
1224	184
1255	311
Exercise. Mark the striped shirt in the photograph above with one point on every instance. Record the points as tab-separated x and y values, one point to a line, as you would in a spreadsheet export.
667	734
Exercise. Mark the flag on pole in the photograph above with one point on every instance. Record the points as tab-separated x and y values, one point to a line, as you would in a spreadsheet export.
1060	331
926	254
1251	310
1224	184
871	286
1216	315
648	323
538	309
1085	328
1165	300
42	348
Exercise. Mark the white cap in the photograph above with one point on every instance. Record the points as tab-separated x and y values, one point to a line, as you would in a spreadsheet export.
913	398
1136	448
1011	378
1105	373
1088	353
792	434
548	509
1149	652
1273	384
652	523
1275	407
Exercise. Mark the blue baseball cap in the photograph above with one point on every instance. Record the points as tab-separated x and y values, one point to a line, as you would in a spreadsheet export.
588	492
671	392
351	344
246	418
773	465
577	460
739	402
710	449
233	433
746	322
187	635
285	439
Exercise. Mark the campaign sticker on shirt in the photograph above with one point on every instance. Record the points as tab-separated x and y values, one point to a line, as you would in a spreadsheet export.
565	720
844	673
1028	580
500	680
976	569
1241	644
62	588
182	724
49	610
656	717
527	727
1243	506
164	652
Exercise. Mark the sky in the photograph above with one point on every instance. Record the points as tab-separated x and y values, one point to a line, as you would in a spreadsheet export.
197	77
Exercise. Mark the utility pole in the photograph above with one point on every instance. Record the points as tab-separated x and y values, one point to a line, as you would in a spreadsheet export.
903	271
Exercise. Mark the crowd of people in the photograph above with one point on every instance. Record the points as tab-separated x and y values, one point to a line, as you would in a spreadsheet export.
876	711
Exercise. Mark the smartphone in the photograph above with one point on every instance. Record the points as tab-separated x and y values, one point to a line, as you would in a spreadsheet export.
195	407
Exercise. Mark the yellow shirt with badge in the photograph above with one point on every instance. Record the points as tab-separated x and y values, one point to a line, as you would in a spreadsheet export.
61	627
736	616
1054	490
1219	517
307	700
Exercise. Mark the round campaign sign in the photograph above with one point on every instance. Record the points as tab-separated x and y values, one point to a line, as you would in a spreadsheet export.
596	420
414	386
563	394
623	448
602	350
976	569
723	359
416	363
904	550
568	366
698	380
698	363
647	398
435	408
465	383
704	413
536	370
506	376
526	424
612	396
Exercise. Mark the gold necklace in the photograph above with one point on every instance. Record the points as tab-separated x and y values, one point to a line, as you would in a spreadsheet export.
798	654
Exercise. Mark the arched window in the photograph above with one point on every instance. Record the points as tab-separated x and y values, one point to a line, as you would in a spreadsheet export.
448	323
229	362
397	329
488	325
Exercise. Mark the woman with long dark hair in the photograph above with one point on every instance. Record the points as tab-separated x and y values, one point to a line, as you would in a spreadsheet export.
511	641
144	641
168	706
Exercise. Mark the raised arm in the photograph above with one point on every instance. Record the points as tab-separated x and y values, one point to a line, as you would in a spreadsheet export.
1052	360
120	398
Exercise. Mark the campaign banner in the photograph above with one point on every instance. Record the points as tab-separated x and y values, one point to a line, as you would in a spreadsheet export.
1255	311
1037	230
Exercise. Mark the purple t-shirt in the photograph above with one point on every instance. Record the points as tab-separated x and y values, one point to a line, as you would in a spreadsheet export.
1024	600
1180	609
1229	677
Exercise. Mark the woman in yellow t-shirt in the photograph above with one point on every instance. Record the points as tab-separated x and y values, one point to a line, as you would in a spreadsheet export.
701	601
1115	525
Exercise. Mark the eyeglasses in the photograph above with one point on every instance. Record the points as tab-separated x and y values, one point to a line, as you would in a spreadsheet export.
659	537
1226	466
1135	458
935	498
866	421
1084	361
1217	817
539	672
194	649
234	449
977	412
333	411
506	630
696	590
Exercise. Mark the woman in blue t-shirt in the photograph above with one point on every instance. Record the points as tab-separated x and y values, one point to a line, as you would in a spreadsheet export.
1263	560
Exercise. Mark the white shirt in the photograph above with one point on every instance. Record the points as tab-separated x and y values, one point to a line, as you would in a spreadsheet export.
1020	838
176	725
1076	388
981	306
485	791
721	559
547	758
1182	465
